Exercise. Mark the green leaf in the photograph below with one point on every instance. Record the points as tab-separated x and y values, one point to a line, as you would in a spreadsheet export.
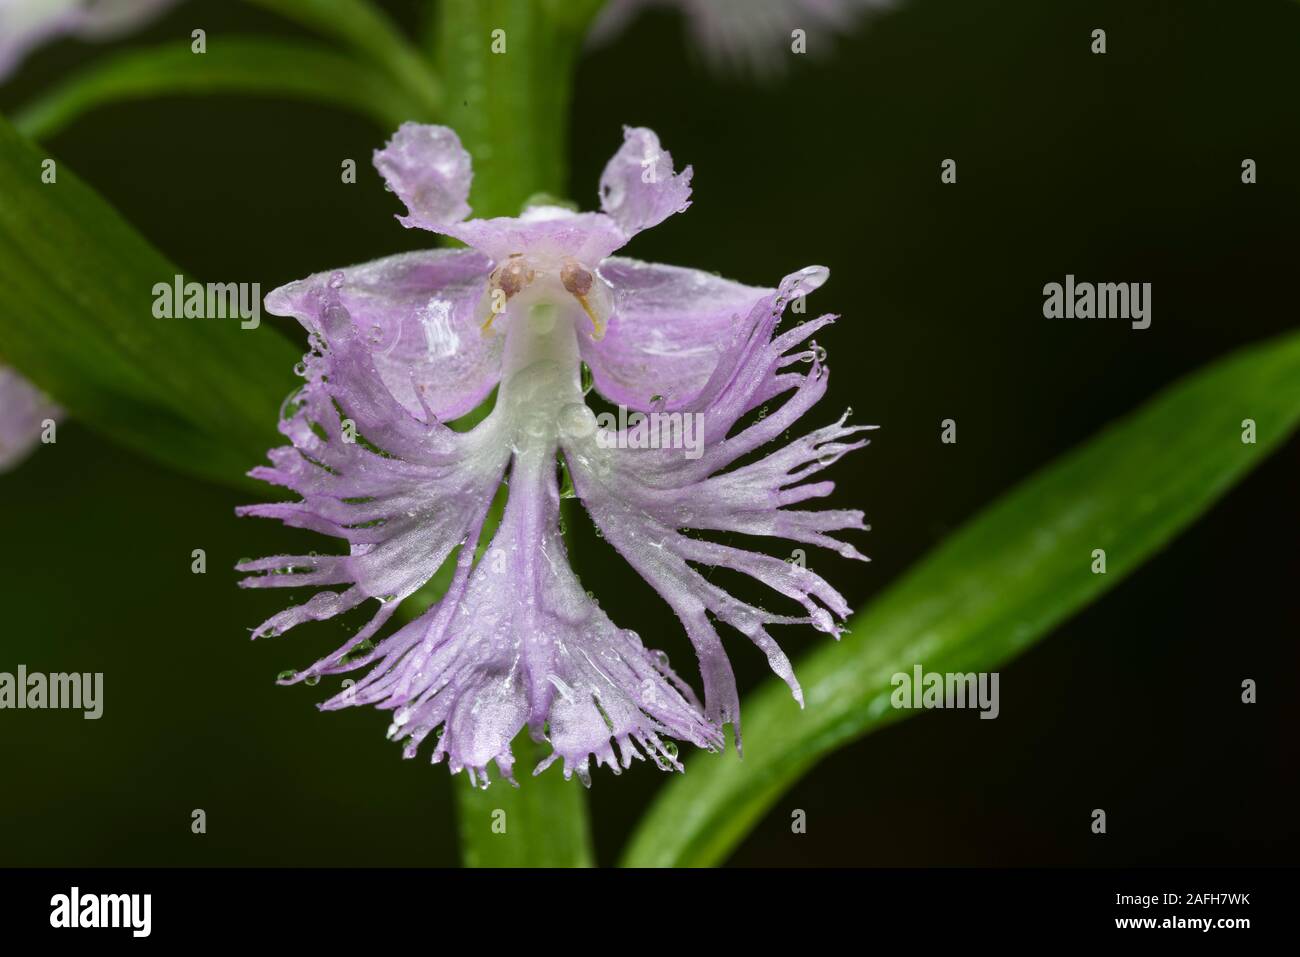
369	31
244	65
994	588
76	317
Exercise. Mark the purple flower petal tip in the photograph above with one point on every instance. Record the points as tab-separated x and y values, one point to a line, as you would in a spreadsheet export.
28	24
24	410
430	172
638	188
402	346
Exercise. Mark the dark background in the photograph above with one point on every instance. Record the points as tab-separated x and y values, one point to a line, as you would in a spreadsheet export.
1123	167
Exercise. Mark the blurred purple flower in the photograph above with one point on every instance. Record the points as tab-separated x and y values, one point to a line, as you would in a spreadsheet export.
23	409
404	344
744	35
27	24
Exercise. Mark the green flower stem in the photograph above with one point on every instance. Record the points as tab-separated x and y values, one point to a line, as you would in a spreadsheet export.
508	66
510	108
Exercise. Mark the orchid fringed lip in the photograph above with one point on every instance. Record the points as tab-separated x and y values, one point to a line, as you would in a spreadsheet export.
402	346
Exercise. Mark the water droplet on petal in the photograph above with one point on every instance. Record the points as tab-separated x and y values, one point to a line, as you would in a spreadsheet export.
289	407
577	421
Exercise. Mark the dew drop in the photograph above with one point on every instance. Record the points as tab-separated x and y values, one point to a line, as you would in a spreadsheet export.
285	675
289	407
336	321
311	680
577	421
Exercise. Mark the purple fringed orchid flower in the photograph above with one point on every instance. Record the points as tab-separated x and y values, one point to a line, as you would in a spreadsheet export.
23	409
747	35
27	24
403	345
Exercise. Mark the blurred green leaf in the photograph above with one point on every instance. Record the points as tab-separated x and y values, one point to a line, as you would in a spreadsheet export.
76	317
990	591
369	31
244	65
